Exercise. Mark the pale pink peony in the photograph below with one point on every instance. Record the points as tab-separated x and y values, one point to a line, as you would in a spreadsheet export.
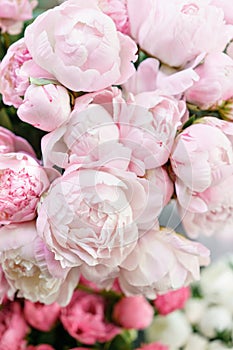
84	319
214	88
30	269
202	157
16	69
91	218
13	13
86	53
170	261
171	301
106	130
229	50
133	312
45	107
225	5
13	327
22	183
4	286
177	32
117	10
40	316
153	346
9	142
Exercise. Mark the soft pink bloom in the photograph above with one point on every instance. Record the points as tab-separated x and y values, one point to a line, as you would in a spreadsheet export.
23	180
229	50
45	107
171	301
202	157
177	32
91	218
13	13
225	5
30	269
215	84
40	316
149	76
84	319
9	142
170	261
217	219
106	130
86	53
16	68
13	327
117	10
39	347
153	346
133	312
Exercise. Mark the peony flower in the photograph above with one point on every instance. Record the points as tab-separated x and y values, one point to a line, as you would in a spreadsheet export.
225	5
45	107
200	163
106	130
91	218
177	32
84	319
171	301
170	262
216	72
86	53
117	10
30	269
133	312
13	13
23	181
9	142
40	316
153	346
13	327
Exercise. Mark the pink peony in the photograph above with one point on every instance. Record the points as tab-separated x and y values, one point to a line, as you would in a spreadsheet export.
40	316
169	262
91	218
27	263
13	13
177	32
153	346
13	327
84	319
202	157
225	5
86	53
133	312
215	84
117	10
106	130
23	181
45	107
171	301
9	142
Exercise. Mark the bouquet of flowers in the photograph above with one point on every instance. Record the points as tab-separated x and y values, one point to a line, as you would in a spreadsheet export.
110	111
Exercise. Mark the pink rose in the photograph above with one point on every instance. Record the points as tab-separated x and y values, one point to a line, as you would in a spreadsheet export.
202	157
91	218
9	142
16	68
225	5
13	13
214	87
106	130
30	269
13	327
177	32
45	107
84	319
170	262
86	53
40	316
117	10
23	181
171	301
133	312
153	346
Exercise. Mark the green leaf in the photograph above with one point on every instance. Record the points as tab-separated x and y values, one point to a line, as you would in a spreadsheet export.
41	81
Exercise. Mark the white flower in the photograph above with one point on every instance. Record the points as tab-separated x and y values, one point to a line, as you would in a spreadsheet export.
217	345
215	319
194	310
196	341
